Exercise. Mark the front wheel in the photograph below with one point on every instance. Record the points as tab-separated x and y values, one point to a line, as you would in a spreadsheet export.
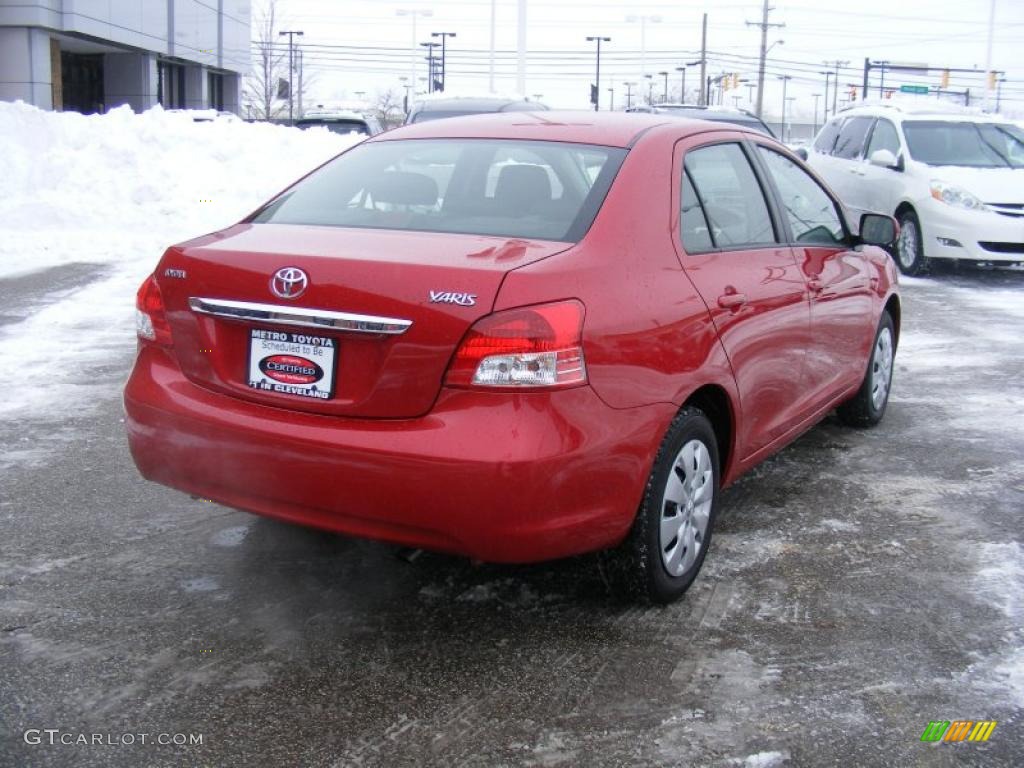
866	408
910	245
671	534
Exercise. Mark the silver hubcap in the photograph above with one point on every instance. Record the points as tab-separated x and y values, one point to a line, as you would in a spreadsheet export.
881	368
907	245
686	507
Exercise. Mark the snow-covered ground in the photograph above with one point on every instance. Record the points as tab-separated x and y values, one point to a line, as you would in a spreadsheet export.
115	190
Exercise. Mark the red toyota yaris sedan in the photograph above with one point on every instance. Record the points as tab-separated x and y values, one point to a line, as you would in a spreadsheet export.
516	337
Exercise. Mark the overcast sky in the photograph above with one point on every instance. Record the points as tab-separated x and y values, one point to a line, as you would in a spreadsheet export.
561	63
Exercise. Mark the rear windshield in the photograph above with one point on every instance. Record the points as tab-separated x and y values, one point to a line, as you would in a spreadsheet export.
336	126
972	145
506	188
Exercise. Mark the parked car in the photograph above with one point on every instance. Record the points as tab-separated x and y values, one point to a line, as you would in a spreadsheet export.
953	179
459	106
340	121
493	350
713	113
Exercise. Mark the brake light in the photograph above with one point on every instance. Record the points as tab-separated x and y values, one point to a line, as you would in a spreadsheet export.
539	346
150	320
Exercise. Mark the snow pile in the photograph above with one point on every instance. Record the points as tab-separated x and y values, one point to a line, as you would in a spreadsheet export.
114	191
158	175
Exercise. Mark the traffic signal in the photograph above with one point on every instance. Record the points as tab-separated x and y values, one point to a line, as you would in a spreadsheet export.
992	80
735	81
853	93
945	78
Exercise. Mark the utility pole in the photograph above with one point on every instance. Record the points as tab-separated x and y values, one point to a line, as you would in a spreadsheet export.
490	61
521	50
444	66
291	69
650	89
827	73
764	25
816	97
704	59
835	93
782	129
664	96
611	99
988	52
300	82
750	93
595	96
629	94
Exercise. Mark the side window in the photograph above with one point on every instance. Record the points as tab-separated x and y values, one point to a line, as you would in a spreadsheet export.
884	137
826	140
851	137
694	226
731	196
812	214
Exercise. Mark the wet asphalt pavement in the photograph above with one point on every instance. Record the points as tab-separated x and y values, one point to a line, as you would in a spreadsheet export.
859	585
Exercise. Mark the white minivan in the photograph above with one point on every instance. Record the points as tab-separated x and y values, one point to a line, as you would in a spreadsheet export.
954	180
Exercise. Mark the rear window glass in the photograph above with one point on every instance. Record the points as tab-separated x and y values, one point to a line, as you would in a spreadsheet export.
505	188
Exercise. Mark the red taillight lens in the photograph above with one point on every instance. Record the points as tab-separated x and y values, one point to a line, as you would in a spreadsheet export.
539	346
150	320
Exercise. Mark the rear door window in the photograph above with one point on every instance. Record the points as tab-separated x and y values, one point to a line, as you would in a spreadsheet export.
730	195
851	137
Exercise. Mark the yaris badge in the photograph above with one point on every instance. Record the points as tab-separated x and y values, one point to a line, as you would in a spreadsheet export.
289	283
447	297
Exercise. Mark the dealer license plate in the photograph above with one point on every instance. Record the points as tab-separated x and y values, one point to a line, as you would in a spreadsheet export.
292	363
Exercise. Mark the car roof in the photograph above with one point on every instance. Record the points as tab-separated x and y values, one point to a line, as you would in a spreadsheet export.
490	103
912	112
611	129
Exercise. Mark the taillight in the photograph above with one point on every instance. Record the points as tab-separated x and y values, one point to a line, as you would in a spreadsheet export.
150	320
539	346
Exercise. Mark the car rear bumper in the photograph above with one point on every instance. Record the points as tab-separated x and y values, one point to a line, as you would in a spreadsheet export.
954	233
498	477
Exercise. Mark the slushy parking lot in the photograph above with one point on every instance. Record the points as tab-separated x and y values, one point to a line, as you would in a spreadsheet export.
860	585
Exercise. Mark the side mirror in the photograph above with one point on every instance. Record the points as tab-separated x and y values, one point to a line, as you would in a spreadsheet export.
885	159
878	229
801	152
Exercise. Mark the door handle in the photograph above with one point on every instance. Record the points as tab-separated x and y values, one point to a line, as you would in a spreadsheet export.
814	285
732	301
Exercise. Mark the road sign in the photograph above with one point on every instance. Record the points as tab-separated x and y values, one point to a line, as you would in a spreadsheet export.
913	89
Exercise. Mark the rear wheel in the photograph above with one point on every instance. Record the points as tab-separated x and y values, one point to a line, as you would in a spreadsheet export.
910	245
866	408
671	534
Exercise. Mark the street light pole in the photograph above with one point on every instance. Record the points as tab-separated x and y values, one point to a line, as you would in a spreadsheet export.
611	99
596	96
650	89
816	97
444	61
629	94
430	65
414	13
664	96
643	37
291	69
782	129
835	86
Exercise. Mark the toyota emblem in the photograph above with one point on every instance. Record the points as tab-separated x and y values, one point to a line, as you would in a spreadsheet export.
289	283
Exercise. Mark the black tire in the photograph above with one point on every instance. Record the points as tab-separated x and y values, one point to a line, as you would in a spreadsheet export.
866	408
637	567
908	251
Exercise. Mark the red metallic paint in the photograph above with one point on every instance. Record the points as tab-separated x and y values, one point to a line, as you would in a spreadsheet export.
502	476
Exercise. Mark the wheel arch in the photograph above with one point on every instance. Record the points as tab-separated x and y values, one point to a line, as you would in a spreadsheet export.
892	306
714	401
